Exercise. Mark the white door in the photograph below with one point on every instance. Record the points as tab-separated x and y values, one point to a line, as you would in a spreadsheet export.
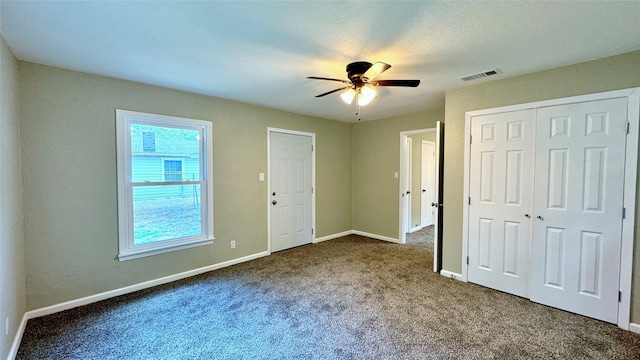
580	154
427	176
406	186
501	200
291	190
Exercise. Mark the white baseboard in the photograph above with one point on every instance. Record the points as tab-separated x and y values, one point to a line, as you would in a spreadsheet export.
356	232
17	339
375	236
451	275
414	229
633	327
140	286
333	236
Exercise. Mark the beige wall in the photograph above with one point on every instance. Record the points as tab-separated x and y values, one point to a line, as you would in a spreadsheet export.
12	269
376	156
68	142
416	174
617	72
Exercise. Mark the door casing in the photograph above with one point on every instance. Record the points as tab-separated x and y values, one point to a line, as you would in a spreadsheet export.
313	180
404	173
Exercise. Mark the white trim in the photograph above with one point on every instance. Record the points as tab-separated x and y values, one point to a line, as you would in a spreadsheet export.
117	292
402	237
333	236
403	173
313	179
136	287
13	351
629	203
630	182
560	101
416	228
633	327
375	236
466	192
451	275
127	249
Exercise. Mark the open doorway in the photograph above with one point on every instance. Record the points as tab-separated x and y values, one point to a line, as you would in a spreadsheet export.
421	188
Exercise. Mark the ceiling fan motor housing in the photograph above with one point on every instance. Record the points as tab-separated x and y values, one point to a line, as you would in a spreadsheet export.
355	70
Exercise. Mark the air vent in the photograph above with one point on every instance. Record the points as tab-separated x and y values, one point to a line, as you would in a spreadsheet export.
480	75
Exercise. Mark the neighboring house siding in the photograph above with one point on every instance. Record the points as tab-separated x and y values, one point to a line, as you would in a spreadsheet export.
150	168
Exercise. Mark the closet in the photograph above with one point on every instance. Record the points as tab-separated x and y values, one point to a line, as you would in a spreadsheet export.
545	201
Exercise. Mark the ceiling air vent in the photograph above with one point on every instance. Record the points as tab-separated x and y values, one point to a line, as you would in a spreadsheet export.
480	75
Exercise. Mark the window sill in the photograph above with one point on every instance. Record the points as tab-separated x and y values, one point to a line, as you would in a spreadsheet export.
150	252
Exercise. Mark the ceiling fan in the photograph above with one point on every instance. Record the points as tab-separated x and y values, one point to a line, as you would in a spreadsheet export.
361	82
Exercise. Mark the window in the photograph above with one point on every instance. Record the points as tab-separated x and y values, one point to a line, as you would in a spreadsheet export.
165	183
172	170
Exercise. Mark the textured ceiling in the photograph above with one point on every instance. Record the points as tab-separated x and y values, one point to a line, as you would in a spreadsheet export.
261	52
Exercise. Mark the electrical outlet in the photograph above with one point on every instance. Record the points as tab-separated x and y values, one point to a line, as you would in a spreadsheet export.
233	244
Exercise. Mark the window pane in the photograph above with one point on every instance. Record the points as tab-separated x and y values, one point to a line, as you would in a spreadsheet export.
150	144
166	212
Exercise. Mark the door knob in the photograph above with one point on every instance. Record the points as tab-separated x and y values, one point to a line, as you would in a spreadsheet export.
423	190
408	192
540	217
527	216
274	202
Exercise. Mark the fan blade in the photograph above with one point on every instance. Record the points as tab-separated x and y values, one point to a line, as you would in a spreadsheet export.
375	70
332	91
324	78
409	83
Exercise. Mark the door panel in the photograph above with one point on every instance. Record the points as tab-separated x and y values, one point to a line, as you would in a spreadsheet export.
290	177
501	201
580	152
427	169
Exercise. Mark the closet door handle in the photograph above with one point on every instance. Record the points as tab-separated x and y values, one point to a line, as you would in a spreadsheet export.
540	217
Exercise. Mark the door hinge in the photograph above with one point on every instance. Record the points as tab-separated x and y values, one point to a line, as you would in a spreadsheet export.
470	139
469	200
312	189
467	260
311	148
626	127
311	230
619	296
624	213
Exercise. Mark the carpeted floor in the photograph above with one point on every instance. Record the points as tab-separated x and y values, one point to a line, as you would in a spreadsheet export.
348	298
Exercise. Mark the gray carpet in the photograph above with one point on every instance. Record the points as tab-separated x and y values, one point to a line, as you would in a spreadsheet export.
348	298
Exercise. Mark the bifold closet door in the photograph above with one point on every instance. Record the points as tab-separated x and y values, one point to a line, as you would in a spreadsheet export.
579	167
501	195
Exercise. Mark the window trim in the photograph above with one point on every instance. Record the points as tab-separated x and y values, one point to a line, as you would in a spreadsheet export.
126	248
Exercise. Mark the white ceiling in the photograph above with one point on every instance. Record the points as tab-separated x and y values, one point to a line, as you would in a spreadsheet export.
261	52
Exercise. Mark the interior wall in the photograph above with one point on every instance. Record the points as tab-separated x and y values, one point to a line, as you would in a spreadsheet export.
416	175
69	161
376	157
12	260
612	73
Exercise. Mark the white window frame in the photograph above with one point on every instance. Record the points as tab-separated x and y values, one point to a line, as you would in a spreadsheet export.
126	248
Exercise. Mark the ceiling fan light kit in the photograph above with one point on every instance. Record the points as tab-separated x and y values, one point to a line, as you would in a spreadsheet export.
360	85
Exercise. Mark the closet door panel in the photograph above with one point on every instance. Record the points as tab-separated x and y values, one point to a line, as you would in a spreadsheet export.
501	192
579	173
